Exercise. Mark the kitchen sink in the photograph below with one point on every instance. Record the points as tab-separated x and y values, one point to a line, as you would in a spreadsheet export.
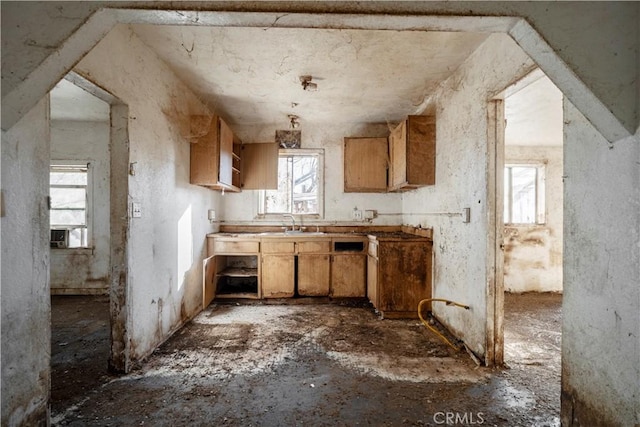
292	233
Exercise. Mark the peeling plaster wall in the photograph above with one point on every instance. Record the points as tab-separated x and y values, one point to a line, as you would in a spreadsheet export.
601	320
533	254
167	244
460	267
338	204
26	338
84	271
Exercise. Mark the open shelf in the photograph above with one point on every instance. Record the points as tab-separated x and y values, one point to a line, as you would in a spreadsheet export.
239	272
237	276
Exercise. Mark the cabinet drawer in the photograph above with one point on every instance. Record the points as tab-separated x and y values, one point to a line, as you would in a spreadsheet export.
230	247
278	247
314	246
373	250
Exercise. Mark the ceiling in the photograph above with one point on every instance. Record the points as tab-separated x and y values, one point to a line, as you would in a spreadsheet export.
252	75
533	111
69	102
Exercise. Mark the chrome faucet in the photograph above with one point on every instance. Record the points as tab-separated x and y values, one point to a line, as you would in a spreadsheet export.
293	221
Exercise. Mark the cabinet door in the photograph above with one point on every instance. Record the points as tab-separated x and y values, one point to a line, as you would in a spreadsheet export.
260	166
348	275
314	275
398	156
226	154
208	281
205	154
278	279
404	276
365	165
372	280
421	150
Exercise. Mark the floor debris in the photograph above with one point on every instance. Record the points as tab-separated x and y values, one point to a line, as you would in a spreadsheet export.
318	365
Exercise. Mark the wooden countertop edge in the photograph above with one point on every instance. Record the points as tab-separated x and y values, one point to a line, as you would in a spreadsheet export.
255	232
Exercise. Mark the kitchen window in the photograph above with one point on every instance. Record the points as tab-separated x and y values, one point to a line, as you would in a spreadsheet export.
300	185
69	194
524	194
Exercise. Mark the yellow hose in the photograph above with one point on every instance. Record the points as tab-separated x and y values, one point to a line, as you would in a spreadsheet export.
425	323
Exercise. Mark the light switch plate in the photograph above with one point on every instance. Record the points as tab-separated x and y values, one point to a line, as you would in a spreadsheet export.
466	215
136	210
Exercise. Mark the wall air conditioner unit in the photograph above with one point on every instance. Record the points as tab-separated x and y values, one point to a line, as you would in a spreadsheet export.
59	238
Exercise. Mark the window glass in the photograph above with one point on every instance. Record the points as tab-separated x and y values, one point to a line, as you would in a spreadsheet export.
299	185
523	194
68	192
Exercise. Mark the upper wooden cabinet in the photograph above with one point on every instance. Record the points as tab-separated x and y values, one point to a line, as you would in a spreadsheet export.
220	161
412	153
365	165
214	162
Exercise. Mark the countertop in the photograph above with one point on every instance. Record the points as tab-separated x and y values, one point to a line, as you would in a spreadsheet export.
396	235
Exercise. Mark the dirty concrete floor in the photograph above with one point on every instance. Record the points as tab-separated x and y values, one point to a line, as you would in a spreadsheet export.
79	347
316	365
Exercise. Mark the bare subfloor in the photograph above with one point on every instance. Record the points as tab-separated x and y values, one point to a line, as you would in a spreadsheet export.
315	365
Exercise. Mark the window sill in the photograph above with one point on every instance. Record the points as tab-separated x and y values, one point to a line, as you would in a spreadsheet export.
278	217
73	250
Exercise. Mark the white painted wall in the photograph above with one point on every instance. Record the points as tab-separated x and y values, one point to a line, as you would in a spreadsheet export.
84	271
601	319
167	244
533	254
26	337
460	270
339	205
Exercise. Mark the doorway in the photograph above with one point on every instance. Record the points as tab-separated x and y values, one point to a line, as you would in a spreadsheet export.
529	224
88	130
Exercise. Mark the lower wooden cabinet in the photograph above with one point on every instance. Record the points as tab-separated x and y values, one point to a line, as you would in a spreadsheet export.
393	270
399	274
348	275
278	276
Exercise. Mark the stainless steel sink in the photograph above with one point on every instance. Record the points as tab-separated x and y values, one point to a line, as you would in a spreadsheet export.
292	233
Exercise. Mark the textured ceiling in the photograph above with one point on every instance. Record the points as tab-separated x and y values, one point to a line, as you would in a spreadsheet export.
251	75
69	102
534	113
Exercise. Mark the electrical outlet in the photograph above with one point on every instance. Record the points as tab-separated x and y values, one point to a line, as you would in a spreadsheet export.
357	215
136	210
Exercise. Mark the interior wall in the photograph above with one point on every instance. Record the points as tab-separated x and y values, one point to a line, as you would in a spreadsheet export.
26	338
338	205
533	253
601	321
84	270
167	244
460	249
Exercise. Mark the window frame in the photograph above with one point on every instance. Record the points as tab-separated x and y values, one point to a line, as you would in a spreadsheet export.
283	152
540	193
71	165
